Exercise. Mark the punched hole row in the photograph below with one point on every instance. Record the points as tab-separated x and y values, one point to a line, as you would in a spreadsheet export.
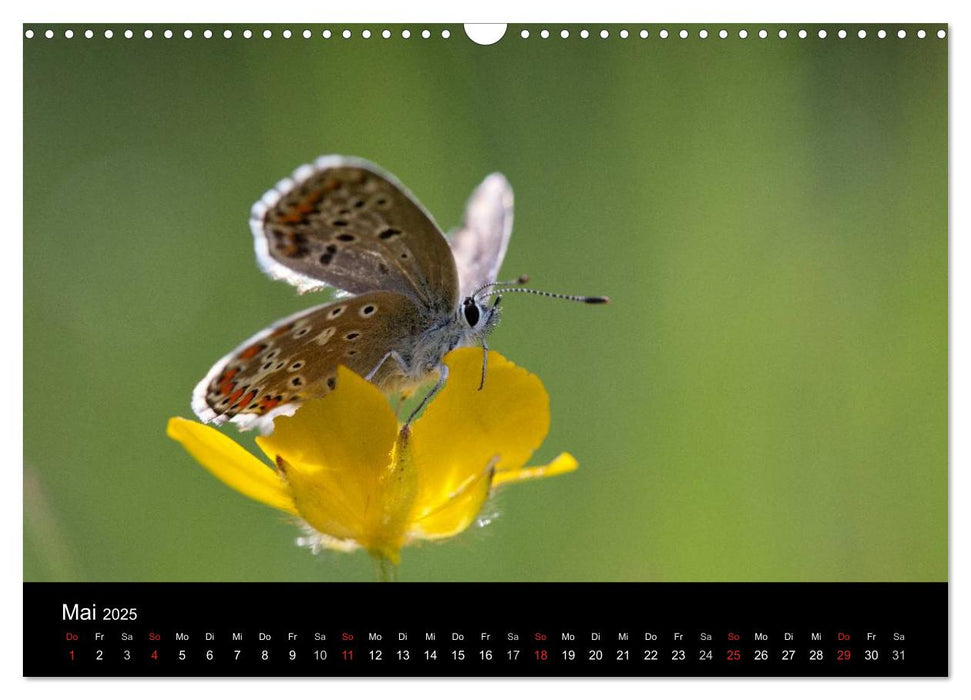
446	34
245	34
724	34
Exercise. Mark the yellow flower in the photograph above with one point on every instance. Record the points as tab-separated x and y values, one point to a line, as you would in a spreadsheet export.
358	479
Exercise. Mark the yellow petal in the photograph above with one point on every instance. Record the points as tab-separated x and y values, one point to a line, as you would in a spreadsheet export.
320	502
457	512
231	464
465	430
561	465
381	524
389	518
343	440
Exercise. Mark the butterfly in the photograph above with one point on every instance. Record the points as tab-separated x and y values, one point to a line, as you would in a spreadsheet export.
407	294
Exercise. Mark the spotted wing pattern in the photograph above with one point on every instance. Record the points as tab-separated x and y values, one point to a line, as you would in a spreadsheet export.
343	222
297	358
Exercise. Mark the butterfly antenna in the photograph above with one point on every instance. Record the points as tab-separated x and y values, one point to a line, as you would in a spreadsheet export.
522	279
554	295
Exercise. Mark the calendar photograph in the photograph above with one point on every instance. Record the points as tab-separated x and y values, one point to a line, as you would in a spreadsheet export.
310	303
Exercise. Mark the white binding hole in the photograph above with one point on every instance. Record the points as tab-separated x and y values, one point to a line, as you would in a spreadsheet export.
425	34
921	33
247	34
604	33
446	34
783	33
386	34
861	33
742	34
167	33
821	33
346	33
644	34
187	33
941	33
723	34
524	34
68	34
148	34
129	33
49	34
545	34
841	33
405	34
584	34
882	34
326	34
564	34
267	34
207	34
683	34
703	34
29	34
366	34
109	33
803	33
307	34
624	34
663	34
901	34
88	34
228	34
287	34
763	34
487	34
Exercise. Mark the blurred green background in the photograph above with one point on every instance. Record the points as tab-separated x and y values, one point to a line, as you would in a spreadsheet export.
765	398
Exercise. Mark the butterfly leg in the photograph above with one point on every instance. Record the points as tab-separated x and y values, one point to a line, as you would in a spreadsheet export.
442	376
393	354
485	361
485	347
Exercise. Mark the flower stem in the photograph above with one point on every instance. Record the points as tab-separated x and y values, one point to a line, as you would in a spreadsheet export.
385	570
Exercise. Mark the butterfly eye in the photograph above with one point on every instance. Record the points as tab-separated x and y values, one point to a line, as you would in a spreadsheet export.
471	312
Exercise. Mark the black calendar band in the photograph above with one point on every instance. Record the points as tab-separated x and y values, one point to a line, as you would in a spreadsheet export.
486	629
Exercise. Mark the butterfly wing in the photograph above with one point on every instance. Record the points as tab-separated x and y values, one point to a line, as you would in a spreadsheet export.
479	245
343	222
274	371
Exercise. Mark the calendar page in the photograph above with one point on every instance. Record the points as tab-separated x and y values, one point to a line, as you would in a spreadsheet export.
511	350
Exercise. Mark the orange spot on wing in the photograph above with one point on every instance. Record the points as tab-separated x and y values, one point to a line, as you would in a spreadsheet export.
226	380
306	206
244	402
252	351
